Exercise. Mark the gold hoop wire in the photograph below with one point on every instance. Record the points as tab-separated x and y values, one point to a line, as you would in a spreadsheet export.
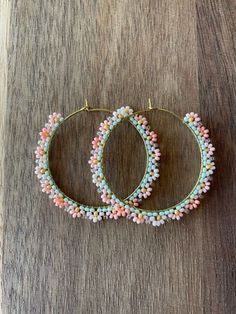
88	109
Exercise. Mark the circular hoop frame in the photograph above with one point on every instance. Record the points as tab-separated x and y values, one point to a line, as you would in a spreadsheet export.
191	201
42	170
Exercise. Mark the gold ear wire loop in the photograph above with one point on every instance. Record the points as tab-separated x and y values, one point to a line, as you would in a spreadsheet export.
151	108
86	107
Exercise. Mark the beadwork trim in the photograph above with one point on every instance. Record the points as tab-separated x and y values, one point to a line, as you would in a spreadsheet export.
192	201
149	137
75	209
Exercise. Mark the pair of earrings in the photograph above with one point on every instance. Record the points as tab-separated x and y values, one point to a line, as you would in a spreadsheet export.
115	207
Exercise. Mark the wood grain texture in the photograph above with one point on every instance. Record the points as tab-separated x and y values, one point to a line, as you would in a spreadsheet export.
217	77
181	54
4	26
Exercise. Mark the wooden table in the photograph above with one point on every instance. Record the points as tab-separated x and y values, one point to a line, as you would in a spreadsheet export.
54	54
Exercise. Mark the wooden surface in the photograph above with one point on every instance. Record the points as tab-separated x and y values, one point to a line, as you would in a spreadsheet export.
54	54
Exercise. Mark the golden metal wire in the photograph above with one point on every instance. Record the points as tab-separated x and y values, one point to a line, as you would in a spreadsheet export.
150	108
86	107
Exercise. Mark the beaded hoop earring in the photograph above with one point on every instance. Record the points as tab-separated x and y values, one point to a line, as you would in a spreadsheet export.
74	208
158	217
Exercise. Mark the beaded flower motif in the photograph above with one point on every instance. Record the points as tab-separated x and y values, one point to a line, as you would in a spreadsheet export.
96	161
76	210
158	218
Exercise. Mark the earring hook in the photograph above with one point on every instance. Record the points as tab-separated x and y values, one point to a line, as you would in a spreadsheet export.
86	106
